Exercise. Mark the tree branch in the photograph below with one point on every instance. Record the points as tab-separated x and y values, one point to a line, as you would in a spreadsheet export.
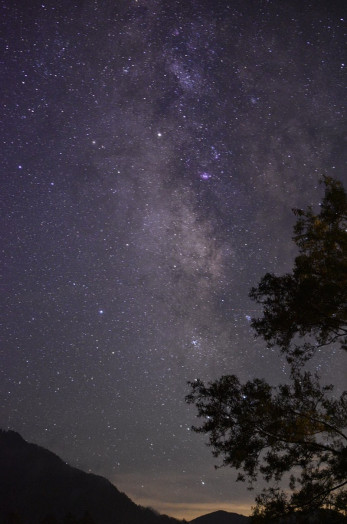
322	494
303	443
313	419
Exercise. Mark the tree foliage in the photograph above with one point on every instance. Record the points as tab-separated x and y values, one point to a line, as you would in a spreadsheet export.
296	430
258	428
312	300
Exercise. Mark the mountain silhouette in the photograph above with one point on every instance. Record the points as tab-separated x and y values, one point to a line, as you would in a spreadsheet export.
37	487
221	517
35	483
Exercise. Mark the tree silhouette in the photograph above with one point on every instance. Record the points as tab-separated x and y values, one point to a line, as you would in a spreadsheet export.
70	519
49	519
311	301
295	428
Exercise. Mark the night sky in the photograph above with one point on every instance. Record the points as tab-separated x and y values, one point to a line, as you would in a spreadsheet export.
151	154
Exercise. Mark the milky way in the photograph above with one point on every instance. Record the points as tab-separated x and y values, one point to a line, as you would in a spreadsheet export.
152	152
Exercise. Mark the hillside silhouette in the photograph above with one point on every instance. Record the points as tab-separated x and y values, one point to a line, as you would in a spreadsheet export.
221	517
35	483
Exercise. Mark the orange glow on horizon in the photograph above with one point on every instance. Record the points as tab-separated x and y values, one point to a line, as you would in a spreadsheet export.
189	511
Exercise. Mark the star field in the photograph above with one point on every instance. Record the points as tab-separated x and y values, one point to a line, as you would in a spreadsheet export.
151	154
